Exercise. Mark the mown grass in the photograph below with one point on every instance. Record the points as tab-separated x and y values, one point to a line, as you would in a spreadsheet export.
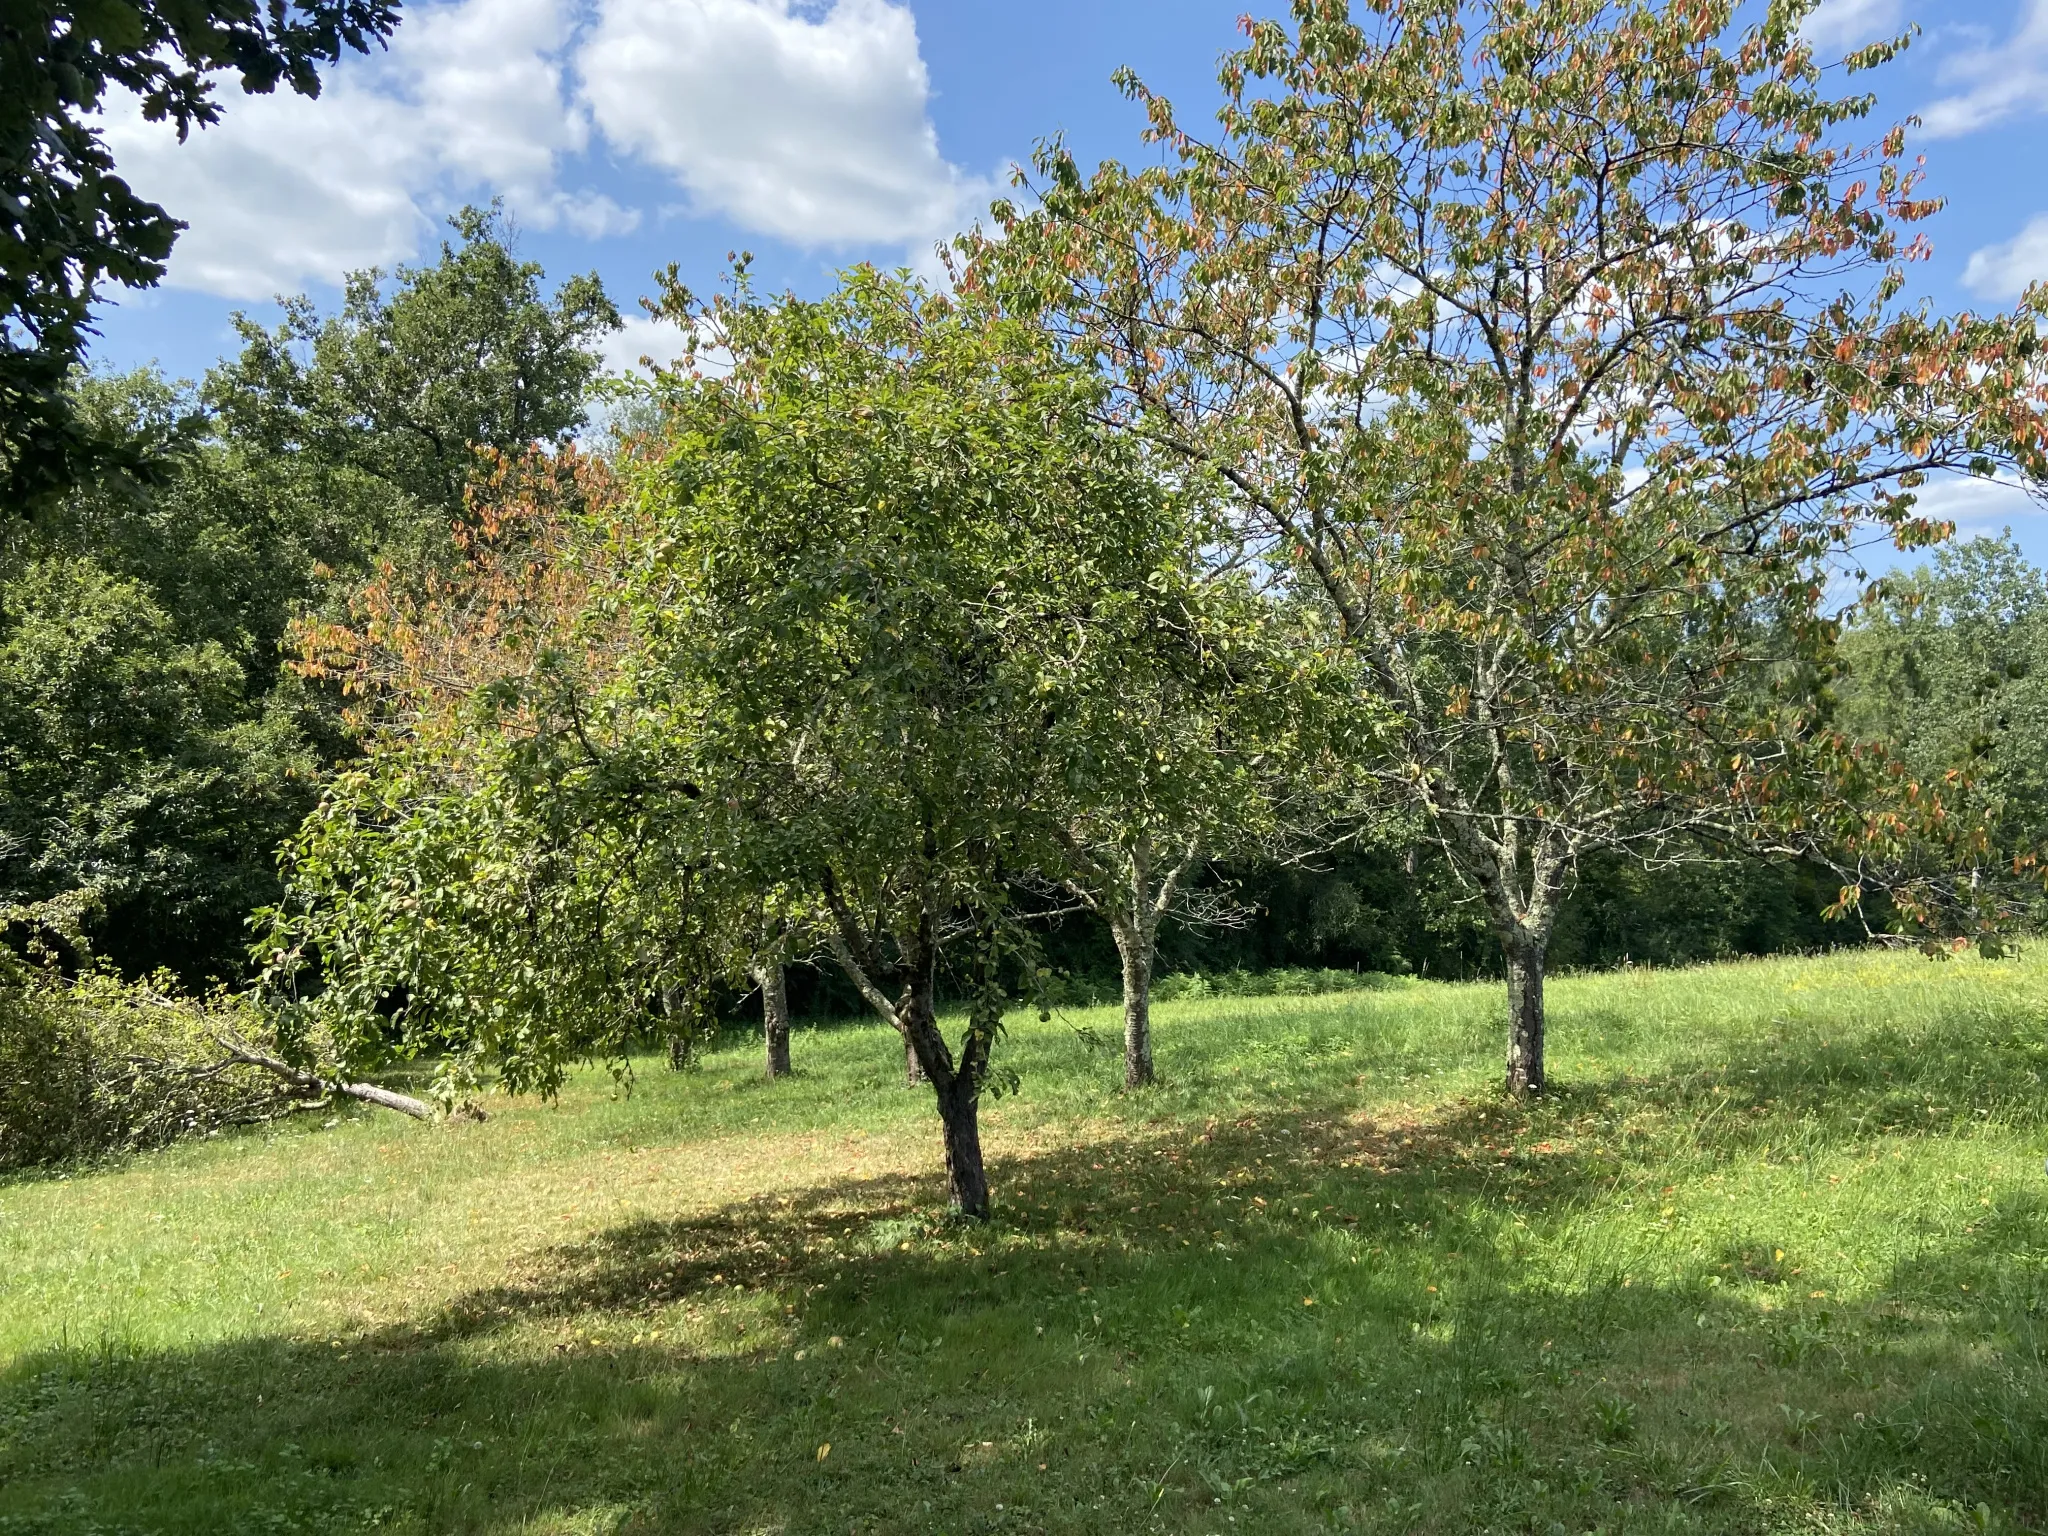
1770	1259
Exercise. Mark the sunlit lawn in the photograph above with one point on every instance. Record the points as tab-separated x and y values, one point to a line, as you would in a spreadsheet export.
1771	1259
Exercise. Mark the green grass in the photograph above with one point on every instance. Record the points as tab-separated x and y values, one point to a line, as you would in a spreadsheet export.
1770	1259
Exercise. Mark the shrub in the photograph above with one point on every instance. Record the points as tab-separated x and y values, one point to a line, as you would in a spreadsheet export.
94	1065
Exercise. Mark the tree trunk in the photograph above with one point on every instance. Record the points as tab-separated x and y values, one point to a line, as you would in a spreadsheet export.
682	1044
1525	1018
1136	951
368	1093
913	1069
774	987
966	1176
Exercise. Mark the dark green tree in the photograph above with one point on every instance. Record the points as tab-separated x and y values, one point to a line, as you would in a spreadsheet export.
69	223
159	749
415	376
872	603
1950	668
136	768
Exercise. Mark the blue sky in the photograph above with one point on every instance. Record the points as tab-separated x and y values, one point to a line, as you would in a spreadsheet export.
627	134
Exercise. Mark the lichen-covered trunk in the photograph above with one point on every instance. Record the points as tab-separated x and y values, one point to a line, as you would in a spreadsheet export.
774	985
1136	949
1525	1017
1524	908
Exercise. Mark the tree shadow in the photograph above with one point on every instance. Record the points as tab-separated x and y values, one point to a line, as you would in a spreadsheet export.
1283	1321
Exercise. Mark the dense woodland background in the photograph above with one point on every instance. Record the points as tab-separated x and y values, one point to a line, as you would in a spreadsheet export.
1411	538
157	745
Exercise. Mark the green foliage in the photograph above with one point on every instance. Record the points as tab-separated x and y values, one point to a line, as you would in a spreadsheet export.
1951	668
417	375
1558	348
1379	904
1071	991
865	617
68	222
926	637
504	927
494	884
1700	908
157	750
93	1065
233	542
1290	981
135	767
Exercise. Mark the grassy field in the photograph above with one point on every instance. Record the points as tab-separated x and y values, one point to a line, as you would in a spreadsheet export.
1772	1258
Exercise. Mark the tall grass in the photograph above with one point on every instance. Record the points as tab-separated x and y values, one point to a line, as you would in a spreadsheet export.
1770	1259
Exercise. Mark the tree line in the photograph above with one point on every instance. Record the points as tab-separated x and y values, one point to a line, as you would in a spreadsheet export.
1407	526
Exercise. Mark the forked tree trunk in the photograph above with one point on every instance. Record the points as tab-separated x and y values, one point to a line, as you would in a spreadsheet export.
1136	949
959	1102
1135	906
774	987
926	1059
1525	1018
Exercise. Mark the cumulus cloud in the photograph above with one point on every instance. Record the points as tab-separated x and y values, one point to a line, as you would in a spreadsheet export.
470	102
803	120
1981	505
809	125
2006	271
1840	25
282	189
658	340
1992	82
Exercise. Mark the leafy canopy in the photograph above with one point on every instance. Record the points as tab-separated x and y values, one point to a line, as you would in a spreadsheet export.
297	470
846	643
419	372
68	222
1558	346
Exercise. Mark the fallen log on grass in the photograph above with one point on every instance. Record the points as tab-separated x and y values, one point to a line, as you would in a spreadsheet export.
324	1087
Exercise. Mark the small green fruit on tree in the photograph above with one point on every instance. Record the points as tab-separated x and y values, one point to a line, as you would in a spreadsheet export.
838	660
899	585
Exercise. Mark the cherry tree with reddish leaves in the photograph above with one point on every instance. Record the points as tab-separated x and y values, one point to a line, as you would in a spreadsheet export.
1562	348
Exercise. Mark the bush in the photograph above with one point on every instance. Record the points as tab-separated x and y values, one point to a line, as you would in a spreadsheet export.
94	1065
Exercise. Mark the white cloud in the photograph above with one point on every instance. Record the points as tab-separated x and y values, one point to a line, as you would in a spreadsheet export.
470	102
489	90
1995	80
804	120
2006	271
1977	505
662	341
1840	25
281	189
805	124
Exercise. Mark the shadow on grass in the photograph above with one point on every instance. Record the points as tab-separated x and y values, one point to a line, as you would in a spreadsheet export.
1298	1321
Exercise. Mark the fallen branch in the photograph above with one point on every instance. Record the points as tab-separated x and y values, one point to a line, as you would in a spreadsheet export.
369	1093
